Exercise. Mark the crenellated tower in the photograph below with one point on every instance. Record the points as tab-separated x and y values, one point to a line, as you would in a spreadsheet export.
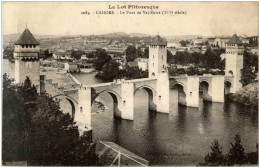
26	55
158	70
234	61
157	57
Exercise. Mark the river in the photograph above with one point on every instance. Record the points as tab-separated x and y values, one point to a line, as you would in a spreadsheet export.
182	137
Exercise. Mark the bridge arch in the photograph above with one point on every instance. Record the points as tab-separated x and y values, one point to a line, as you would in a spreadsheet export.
180	94
151	95
115	97
204	87
227	86
72	102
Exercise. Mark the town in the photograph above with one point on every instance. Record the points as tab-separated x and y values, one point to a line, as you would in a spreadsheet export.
79	53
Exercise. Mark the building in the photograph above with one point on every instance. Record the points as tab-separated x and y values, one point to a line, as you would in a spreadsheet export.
26	55
157	56
221	42
234	60
142	63
63	55
71	67
253	50
244	40
211	41
174	44
83	57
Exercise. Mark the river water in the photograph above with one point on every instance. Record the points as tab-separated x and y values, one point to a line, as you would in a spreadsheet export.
182	137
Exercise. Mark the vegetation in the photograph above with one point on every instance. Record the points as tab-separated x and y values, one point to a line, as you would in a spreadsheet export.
102	59
184	43
111	71
248	95
35	129
132	53
250	68
132	73
211	59
174	71
236	155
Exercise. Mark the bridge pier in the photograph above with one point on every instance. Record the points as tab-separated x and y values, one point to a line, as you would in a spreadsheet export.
127	103
83	112
192	91
163	93
217	88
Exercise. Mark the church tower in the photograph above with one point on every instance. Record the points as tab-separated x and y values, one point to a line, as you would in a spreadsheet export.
26	55
234	61
157	57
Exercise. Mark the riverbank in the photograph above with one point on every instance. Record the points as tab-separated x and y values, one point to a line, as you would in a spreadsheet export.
248	95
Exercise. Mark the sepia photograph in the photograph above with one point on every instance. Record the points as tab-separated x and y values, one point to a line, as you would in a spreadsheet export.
130	83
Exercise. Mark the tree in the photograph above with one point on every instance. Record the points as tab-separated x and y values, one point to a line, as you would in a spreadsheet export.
132	73
132	53
250	68
77	54
35	129
146	52
169	57
102	59
236	153
184	43
215	157
211	59
110	70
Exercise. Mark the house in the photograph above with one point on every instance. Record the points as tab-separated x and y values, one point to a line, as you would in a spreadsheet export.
83	57
244	40
133	64
253	50
71	67
174	44
142	63
221	42
172	50
63	55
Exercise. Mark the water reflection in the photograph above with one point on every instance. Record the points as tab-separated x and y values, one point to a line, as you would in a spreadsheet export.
183	136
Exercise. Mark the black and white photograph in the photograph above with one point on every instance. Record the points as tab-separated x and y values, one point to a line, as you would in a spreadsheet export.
130	83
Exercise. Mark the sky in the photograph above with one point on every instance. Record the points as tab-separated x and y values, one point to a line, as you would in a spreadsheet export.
65	18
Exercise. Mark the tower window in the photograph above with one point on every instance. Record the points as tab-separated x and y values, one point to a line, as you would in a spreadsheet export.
26	46
34	46
22	46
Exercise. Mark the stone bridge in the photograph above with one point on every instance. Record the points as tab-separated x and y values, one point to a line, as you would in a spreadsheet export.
122	92
213	88
186	91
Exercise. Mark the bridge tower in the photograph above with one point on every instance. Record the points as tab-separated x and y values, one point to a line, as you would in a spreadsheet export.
26	55
157	57
234	61
158	70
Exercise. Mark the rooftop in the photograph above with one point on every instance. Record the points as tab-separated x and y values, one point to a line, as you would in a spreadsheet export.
234	40
26	38
157	40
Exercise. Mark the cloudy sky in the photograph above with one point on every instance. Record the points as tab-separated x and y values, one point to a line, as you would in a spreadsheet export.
65	18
